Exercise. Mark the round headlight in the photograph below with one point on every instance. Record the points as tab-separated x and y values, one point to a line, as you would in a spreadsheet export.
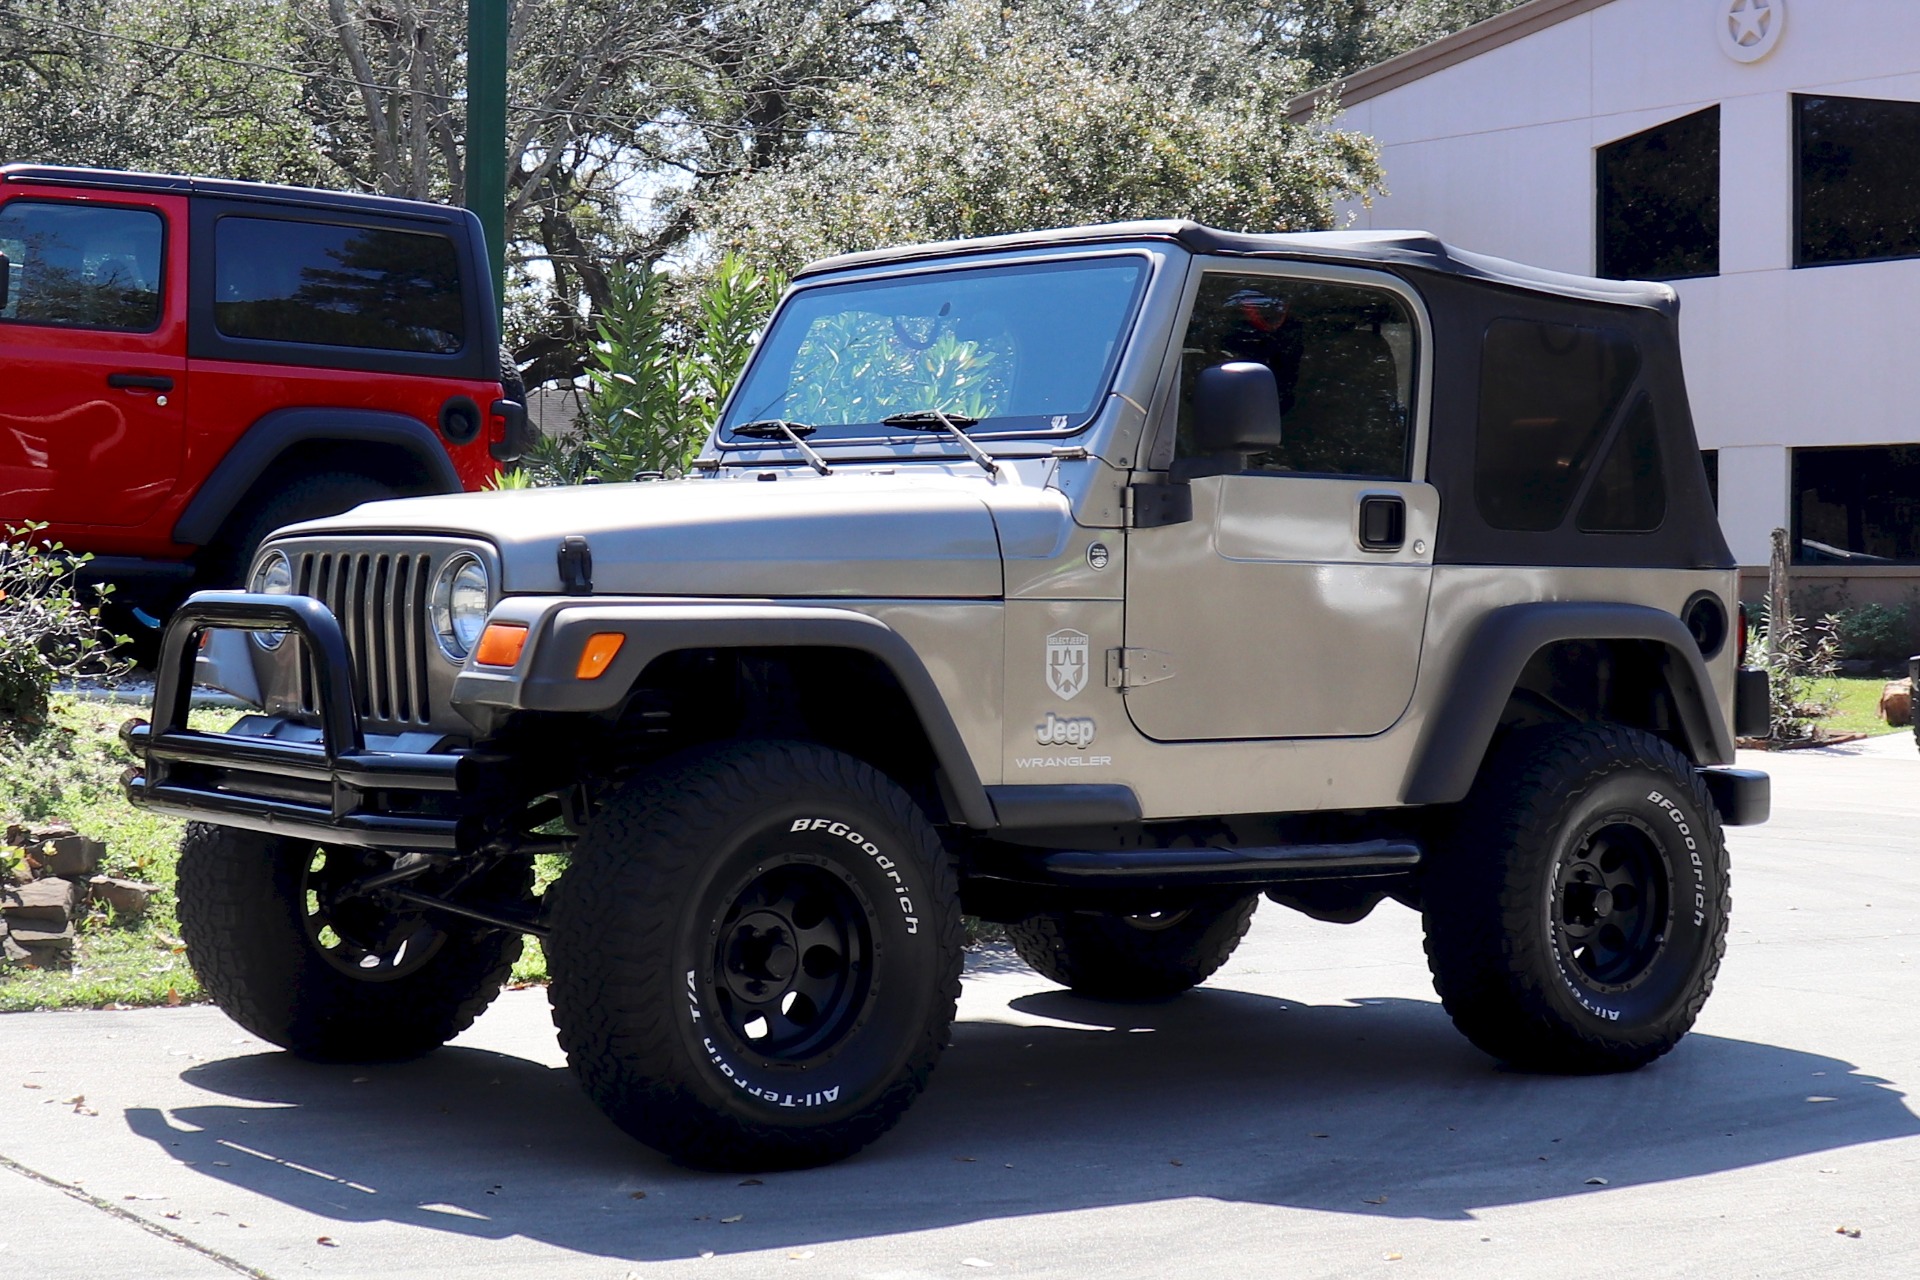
459	606
273	576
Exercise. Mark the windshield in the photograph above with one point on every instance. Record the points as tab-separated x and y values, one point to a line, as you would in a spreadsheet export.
1022	348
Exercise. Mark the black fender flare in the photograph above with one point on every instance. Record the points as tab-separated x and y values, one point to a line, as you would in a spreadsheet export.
1456	736
544	679
229	483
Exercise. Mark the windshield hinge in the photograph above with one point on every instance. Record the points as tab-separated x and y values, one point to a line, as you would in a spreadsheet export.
1131	668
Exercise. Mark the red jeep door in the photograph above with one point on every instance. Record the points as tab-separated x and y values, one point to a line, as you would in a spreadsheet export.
92	356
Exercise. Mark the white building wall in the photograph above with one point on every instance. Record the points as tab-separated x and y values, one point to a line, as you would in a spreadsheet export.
1497	154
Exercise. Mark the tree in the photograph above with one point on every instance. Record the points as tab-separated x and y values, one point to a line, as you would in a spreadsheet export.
1051	114
1338	37
193	87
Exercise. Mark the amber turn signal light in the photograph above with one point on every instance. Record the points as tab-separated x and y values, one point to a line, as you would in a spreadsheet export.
500	644
601	648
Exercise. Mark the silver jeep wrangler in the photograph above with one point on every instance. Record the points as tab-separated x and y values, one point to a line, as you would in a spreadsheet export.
1097	582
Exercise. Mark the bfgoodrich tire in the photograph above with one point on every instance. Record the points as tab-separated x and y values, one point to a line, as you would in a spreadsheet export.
756	956
1134	957
1576	916
344	981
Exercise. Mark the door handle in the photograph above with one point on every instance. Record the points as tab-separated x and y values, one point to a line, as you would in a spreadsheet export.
143	381
1383	522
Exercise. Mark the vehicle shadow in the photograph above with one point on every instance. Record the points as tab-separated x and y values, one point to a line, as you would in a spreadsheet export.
1375	1107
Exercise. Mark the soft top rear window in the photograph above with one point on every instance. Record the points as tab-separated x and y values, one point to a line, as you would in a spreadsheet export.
1548	392
281	280
1023	347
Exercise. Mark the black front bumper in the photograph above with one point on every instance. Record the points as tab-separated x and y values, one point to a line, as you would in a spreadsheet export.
334	790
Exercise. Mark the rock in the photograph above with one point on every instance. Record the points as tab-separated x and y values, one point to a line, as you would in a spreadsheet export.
11	952
72	856
49	901
128	898
19	834
1896	702
44	948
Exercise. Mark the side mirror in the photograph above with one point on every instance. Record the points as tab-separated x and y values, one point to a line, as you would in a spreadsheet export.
1236	408
6	280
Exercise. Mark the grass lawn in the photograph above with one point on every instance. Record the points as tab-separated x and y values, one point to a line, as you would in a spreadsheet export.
71	773
1858	707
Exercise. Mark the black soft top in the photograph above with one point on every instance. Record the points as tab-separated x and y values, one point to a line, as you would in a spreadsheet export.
227	189
1465	294
1400	249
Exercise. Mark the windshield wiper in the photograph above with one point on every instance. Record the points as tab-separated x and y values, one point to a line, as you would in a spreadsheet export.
951	423
780	428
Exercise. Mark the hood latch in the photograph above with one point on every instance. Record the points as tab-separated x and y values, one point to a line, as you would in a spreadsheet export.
576	565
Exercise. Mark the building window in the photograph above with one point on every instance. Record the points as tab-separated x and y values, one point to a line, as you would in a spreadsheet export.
1857	189
1660	201
1857	506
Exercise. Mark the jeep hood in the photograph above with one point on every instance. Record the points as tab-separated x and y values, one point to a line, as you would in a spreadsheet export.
855	535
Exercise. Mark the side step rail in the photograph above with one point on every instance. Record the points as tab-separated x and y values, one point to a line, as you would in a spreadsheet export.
1254	867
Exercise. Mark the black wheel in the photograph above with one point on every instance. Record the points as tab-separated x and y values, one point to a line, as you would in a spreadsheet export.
756	955
353	979
323	493
1577	913
1149	956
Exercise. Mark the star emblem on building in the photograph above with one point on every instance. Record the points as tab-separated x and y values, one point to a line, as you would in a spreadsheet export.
1748	20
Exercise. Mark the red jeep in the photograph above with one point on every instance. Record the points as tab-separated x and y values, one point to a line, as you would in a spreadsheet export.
189	364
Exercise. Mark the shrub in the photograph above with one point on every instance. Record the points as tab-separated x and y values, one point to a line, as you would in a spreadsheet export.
49	626
656	379
1800	662
1879	632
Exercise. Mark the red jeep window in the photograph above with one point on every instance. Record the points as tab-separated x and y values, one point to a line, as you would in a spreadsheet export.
278	280
81	266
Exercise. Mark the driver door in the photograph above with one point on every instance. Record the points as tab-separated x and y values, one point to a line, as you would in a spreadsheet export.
1293	602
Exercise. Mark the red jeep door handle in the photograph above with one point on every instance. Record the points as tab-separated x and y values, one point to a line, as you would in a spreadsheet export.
144	381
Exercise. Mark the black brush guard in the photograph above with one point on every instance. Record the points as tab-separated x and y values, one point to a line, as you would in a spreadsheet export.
334	791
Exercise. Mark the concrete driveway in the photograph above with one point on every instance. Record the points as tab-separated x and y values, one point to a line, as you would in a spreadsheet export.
1311	1112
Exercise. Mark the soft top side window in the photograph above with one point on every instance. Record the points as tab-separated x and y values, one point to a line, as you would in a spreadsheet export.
82	266
1548	393
1343	356
282	280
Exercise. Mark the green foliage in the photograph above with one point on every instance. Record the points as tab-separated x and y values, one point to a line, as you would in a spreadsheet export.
1801	661
1876	632
516	478
1337	37
49	626
72	775
1054	114
656	379
176	86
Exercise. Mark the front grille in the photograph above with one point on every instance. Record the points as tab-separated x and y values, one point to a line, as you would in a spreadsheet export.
380	598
